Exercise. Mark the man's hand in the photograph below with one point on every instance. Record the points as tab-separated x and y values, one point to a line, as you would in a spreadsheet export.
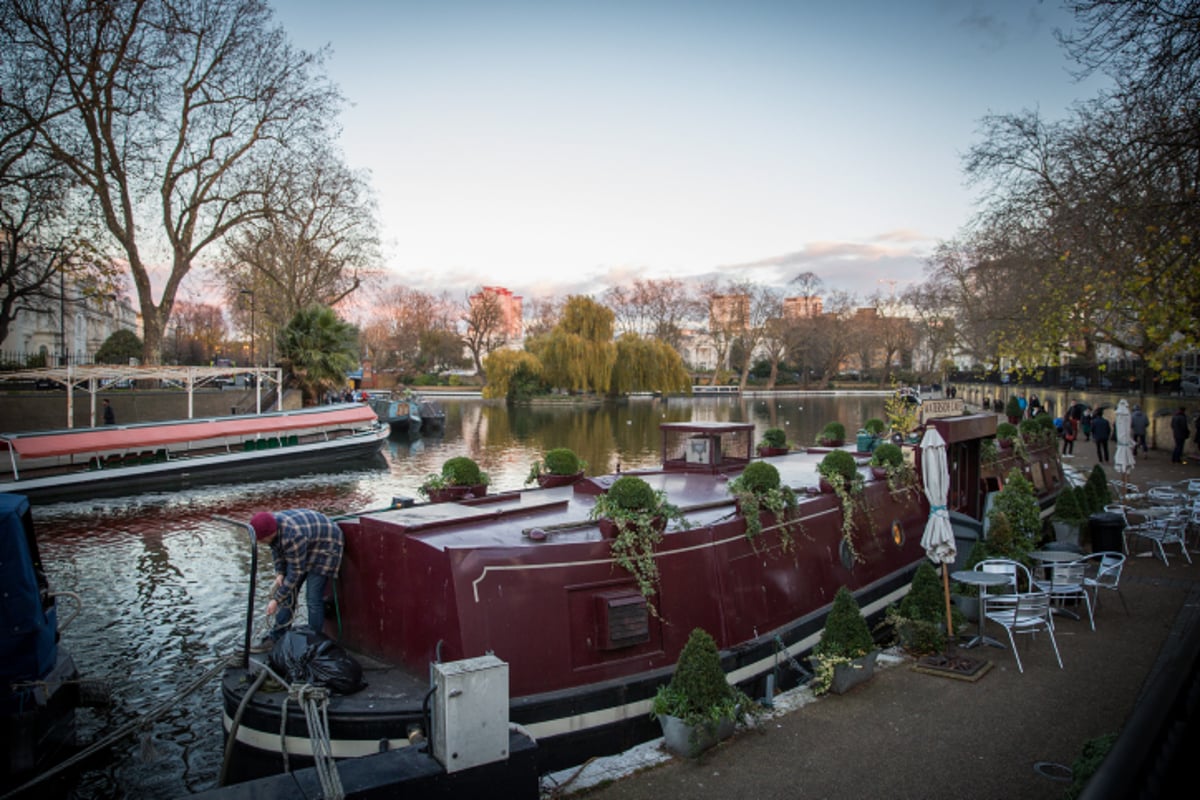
272	607
278	580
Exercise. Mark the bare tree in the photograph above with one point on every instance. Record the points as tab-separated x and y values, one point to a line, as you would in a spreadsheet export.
657	308
170	114
406	331
316	243
483	328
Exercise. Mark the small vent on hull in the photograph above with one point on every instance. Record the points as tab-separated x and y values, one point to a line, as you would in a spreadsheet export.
623	618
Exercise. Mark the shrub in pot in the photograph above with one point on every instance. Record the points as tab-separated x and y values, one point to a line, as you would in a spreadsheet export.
1013	410
832	435
846	653
559	467
759	489
920	619
633	515
1069	517
1006	433
773	443
698	707
460	476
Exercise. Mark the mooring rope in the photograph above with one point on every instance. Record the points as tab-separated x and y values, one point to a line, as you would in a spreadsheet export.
314	700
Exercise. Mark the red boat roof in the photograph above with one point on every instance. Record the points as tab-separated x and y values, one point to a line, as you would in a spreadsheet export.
153	435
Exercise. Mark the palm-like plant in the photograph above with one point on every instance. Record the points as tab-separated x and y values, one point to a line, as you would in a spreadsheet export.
317	349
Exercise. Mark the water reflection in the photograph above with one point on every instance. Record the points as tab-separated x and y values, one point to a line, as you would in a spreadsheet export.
164	583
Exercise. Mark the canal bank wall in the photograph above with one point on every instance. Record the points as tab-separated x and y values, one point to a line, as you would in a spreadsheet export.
44	410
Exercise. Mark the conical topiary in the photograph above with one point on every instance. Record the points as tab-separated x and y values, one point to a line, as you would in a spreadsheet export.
846	634
698	683
925	600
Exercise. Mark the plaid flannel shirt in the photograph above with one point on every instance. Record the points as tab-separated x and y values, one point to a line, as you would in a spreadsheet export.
307	541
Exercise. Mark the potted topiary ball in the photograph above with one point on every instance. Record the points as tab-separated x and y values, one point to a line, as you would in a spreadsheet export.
886	457
633	515
699	707
761	498
559	467
773	443
837	469
846	654
1006	433
460	477
832	435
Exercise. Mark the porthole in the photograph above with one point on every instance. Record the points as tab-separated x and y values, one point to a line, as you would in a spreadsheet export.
897	533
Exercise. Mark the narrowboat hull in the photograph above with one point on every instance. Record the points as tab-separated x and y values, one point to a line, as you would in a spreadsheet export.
529	577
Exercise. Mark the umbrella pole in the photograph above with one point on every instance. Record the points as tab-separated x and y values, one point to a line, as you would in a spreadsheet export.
946	588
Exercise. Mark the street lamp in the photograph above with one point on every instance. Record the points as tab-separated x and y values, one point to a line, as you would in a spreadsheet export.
250	292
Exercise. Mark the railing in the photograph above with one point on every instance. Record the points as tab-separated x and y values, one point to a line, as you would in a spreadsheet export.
706	389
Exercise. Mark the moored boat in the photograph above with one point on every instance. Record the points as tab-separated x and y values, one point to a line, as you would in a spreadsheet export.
401	413
117	460
530	577
41	682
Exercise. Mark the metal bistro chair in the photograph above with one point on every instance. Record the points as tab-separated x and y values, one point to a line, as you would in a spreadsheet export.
1131	527
1107	575
1164	530
1015	570
1065	581
1026	612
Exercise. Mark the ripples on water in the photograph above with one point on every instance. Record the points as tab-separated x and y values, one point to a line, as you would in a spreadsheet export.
163	584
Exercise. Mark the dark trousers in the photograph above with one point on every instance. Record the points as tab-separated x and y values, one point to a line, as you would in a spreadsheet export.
1068	446
1177	453
1139	440
1102	450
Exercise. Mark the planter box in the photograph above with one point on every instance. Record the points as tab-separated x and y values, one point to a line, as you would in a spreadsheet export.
847	676
763	452
1066	532
690	741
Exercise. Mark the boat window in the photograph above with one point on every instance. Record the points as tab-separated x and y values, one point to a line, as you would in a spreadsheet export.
898	533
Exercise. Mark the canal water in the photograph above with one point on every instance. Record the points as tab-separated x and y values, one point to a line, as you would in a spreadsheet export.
163	582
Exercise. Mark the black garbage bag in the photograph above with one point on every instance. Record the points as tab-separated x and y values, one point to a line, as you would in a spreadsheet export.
304	656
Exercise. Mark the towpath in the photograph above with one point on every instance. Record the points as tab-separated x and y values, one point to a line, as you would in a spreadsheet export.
912	735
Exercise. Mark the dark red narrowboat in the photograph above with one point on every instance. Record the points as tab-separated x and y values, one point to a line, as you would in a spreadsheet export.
528	577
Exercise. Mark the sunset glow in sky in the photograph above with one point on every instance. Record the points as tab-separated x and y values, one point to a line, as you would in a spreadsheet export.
563	147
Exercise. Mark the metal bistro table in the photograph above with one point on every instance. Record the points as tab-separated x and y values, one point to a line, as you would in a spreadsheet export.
977	577
1049	558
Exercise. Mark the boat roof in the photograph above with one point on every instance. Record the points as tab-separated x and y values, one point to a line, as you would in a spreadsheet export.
152	435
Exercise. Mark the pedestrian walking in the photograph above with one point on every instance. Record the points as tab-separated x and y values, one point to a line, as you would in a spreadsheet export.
1101	430
306	547
1085	425
110	416
1179	429
1139	423
1068	436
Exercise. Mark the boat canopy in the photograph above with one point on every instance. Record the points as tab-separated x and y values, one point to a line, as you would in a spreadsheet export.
153	435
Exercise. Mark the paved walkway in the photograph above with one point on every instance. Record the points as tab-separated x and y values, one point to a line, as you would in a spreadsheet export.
912	735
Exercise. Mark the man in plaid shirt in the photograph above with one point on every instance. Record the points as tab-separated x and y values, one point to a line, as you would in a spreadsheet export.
306	547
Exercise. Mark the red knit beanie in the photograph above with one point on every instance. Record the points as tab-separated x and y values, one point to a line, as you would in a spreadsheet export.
264	525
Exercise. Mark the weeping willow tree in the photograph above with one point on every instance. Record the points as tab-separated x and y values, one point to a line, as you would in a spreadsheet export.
510	374
648	365
578	354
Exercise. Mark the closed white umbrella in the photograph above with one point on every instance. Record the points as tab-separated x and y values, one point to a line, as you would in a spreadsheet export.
938	539
1123	461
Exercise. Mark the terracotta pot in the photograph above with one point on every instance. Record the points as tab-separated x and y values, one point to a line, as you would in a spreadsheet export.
549	481
763	452
832	442
478	490
880	473
826	486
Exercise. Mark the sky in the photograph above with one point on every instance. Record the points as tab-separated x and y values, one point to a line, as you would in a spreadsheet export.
565	147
